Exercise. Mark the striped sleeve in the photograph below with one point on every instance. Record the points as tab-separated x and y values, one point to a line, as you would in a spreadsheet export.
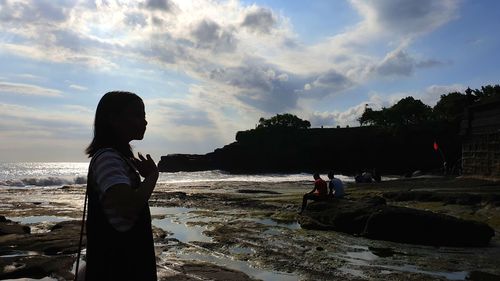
110	169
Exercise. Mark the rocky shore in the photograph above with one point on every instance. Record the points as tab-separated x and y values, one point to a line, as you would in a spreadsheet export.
251	231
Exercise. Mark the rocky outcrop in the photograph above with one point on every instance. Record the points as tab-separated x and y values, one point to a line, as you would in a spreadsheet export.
372	218
345	150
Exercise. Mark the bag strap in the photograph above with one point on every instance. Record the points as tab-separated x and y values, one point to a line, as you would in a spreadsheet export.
85	212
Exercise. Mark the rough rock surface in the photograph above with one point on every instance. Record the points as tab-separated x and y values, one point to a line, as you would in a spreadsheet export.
41	254
10	227
372	218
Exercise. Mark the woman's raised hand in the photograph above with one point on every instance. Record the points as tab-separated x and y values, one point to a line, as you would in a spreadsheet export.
146	166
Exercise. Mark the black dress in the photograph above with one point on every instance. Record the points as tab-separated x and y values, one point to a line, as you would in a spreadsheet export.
114	255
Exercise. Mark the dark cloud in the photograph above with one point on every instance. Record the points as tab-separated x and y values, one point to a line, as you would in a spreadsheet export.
260	20
40	11
74	41
167	49
430	63
396	63
209	35
325	84
409	17
162	5
272	90
261	86
400	63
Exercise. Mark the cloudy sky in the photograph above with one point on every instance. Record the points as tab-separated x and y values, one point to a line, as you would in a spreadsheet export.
207	69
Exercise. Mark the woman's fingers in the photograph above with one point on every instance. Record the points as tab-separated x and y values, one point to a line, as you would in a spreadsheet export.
140	156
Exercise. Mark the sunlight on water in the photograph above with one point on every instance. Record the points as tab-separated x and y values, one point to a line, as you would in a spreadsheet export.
176	222
39	219
258	273
36	174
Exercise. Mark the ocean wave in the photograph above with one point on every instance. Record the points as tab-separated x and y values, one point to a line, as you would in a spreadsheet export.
43	181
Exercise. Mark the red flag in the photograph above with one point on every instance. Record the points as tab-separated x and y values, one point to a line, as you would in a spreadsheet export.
435	146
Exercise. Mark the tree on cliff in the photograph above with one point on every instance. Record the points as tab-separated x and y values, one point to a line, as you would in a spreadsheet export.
408	111
450	107
285	120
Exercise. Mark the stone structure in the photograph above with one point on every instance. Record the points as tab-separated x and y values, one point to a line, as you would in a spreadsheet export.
480	131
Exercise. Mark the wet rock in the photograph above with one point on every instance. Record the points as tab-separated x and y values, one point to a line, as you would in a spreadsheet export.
36	267
340	214
42	254
10	227
372	218
447	198
483	276
62	239
214	272
414	226
382	252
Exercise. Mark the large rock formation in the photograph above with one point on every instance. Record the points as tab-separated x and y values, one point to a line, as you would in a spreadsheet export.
346	150
372	218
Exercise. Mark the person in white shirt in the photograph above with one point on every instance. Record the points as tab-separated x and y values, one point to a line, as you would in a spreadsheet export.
336	186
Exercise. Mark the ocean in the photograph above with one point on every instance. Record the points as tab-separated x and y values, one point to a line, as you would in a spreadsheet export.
52	174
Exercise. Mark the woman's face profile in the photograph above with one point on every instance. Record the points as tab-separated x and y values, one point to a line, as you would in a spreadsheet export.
131	122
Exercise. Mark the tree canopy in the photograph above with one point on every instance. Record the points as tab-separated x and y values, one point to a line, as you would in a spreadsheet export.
285	120
410	111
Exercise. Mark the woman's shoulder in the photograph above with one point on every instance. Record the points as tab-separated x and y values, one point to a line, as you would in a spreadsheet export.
106	156
104	153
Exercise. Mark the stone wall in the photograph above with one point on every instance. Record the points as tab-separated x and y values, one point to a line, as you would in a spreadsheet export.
481	141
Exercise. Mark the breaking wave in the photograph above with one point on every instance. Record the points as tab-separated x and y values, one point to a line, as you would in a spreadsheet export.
43	181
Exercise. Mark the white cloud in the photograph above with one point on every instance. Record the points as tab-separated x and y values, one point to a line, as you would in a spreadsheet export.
376	101
78	87
247	56
28	89
199	37
433	93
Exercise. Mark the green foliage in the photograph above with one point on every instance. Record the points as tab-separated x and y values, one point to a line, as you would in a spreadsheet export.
451	107
409	111
285	120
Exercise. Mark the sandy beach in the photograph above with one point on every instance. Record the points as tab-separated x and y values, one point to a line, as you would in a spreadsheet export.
249	231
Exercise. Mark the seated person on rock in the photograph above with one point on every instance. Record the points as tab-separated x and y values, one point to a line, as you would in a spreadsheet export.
363	177
320	192
336	186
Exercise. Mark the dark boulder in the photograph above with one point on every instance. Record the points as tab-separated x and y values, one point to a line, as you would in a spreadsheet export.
372	218
10	227
414	226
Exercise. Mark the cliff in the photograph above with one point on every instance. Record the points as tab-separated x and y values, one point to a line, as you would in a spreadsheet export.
345	150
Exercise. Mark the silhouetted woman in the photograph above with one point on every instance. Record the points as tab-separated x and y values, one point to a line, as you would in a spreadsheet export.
119	238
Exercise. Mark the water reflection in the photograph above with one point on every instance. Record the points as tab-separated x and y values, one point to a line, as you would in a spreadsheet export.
175	221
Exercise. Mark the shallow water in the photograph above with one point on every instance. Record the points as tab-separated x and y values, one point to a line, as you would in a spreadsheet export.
177	221
243	266
39	219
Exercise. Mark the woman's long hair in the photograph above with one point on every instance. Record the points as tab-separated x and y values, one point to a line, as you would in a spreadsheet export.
111	104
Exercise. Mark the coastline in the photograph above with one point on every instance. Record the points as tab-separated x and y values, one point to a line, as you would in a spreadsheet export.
249	231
